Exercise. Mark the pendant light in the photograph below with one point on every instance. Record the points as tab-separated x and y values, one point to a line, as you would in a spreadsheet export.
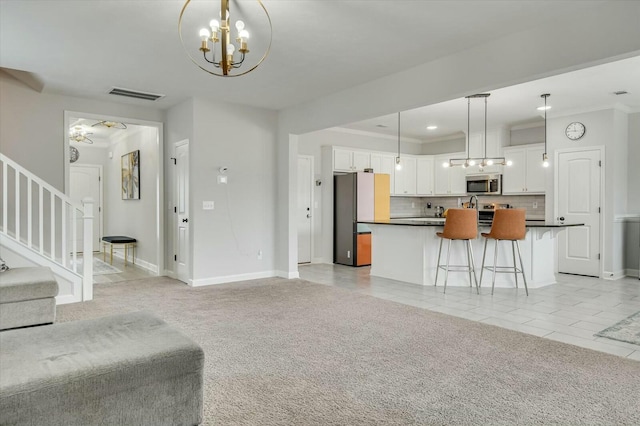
545	158
398	164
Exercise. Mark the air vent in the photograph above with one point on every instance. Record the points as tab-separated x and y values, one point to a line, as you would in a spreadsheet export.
620	92
382	126
133	94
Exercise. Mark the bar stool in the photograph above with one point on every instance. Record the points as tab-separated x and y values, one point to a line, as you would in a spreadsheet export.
508	225
461	224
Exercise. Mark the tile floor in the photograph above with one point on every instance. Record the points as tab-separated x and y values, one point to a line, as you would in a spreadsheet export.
130	272
570	311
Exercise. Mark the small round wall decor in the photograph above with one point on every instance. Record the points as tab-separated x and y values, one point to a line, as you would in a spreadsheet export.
575	130
73	154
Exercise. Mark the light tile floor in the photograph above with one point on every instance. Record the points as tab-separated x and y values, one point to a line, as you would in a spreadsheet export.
570	311
129	272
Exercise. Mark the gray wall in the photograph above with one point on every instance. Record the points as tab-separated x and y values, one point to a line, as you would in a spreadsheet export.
634	158
32	129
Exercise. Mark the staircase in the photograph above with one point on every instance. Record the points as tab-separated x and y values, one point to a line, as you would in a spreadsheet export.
42	226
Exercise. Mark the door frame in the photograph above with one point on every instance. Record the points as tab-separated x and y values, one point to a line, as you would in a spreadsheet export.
101	200
173	273
601	150
160	225
312	204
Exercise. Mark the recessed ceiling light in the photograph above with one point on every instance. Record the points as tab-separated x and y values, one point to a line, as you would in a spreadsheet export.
542	108
381	125
432	127
620	92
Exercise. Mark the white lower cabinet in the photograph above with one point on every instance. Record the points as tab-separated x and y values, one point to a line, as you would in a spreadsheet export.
526	174
449	180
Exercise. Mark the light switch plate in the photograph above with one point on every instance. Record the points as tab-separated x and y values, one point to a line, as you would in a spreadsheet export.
208	205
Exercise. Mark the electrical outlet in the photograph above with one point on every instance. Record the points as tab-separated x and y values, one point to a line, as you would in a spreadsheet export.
535	204
208	205
259	254
222	179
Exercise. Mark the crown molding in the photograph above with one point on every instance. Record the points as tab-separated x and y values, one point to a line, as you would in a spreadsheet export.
373	134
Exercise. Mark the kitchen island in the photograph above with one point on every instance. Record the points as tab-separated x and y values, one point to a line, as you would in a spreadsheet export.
407	250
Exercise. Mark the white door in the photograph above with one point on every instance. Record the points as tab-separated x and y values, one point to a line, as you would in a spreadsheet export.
86	181
305	183
578	200
181	210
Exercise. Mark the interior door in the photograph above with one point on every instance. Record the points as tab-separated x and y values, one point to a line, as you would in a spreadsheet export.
86	181
305	182
578	200
181	209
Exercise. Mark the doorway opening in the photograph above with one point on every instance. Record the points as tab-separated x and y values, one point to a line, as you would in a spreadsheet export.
95	148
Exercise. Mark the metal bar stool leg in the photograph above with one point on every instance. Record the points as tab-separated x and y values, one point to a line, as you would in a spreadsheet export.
468	247
438	264
484	254
473	266
446	271
495	262
522	269
515	267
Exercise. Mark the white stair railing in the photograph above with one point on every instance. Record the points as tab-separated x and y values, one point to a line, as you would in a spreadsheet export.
48	222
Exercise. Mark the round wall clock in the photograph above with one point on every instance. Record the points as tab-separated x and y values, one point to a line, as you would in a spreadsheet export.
73	154
575	130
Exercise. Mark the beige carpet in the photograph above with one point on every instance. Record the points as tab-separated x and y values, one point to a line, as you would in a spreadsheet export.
291	352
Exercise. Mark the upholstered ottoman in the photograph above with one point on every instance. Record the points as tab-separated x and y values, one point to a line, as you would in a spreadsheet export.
27	297
130	369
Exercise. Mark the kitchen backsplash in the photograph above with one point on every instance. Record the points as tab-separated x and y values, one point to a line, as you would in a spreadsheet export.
417	206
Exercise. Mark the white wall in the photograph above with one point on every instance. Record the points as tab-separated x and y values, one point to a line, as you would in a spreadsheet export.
134	218
32	129
605	128
227	239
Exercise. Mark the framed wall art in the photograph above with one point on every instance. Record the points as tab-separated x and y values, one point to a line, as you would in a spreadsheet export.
131	175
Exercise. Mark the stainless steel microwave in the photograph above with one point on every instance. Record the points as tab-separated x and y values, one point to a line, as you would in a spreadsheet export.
484	184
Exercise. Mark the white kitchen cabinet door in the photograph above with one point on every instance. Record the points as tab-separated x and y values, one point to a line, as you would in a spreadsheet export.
424	176
526	174
476	145
383	163
457	181
514	176
535	171
361	160
342	160
405	179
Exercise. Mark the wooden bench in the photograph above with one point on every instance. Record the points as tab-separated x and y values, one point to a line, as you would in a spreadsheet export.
130	369
122	241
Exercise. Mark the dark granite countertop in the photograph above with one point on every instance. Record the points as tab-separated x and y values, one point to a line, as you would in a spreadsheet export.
428	222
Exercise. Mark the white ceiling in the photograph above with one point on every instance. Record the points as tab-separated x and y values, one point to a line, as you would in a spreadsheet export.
83	48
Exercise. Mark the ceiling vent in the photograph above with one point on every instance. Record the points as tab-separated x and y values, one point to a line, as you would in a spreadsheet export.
133	94
620	92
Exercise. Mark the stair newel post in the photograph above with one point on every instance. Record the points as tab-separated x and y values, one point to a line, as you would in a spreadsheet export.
87	248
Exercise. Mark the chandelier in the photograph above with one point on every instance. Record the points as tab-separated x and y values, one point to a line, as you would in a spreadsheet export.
220	52
79	134
545	158
480	162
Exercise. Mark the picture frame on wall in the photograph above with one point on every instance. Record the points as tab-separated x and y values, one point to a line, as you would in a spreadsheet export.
131	175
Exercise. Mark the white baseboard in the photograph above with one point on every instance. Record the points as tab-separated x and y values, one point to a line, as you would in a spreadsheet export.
139	262
612	276
288	275
633	273
231	278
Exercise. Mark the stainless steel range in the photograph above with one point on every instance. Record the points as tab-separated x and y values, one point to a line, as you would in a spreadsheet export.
486	212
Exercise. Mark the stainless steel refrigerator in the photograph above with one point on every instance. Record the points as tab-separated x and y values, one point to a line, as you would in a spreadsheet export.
353	201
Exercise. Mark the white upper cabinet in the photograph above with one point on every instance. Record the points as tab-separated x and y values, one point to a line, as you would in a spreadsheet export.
405	178
384	163
449	180
346	160
526	174
496	140
424	175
